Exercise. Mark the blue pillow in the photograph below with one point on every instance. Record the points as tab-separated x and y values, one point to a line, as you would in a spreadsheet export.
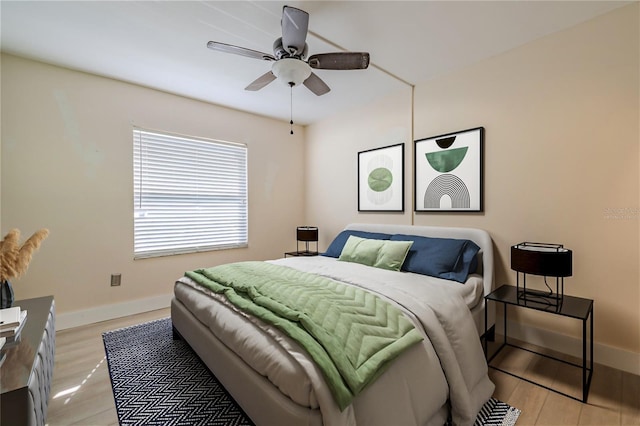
470	256
336	246
446	258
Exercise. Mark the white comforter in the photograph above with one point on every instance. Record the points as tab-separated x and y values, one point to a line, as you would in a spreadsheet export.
449	364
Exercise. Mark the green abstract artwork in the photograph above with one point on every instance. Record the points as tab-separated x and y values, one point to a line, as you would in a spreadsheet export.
451	177
380	179
446	161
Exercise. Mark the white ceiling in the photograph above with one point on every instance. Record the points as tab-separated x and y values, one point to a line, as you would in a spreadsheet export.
162	44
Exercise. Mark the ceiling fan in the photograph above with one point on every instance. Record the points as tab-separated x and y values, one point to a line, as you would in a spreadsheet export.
289	56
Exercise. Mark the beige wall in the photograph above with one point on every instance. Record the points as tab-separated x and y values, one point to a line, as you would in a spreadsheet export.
67	165
561	155
332	155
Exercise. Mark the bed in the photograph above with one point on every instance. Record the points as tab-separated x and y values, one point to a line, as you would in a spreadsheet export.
442	378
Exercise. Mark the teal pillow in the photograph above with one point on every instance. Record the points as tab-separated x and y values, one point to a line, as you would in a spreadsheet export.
384	254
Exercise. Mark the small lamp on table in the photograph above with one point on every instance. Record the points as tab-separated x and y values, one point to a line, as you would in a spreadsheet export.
307	234
547	260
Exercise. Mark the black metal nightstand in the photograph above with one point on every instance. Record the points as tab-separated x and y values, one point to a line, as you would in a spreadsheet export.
572	307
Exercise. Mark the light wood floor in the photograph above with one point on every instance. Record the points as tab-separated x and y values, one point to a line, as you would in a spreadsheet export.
81	390
614	397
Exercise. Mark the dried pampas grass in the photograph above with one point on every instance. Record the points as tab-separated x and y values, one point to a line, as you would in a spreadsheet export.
14	260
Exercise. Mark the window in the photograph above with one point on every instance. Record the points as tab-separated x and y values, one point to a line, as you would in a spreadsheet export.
189	194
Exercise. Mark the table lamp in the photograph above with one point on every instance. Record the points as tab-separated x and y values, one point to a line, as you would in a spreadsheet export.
547	260
307	234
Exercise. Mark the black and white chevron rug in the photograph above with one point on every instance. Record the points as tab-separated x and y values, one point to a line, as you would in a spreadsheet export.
160	381
495	412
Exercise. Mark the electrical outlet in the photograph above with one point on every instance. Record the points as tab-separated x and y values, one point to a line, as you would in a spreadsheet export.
115	279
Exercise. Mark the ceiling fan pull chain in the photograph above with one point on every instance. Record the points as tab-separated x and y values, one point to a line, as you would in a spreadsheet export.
291	84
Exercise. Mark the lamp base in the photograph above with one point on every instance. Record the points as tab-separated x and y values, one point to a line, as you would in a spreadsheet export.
547	298
542	297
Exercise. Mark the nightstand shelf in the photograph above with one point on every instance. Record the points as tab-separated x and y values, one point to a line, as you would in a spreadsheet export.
301	253
572	307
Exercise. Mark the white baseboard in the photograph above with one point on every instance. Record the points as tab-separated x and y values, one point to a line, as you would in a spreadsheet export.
109	312
602	354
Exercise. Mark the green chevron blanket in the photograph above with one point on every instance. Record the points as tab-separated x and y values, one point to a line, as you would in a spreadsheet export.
349	332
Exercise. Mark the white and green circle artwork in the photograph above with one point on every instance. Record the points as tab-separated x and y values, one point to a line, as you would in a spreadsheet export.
380	179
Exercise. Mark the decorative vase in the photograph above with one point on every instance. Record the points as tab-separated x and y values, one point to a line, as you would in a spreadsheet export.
6	295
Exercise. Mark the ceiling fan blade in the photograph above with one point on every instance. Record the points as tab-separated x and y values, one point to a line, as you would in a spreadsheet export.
295	23
242	51
316	85
261	81
340	61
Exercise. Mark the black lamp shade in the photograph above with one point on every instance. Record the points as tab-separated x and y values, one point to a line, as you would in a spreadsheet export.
307	233
551	260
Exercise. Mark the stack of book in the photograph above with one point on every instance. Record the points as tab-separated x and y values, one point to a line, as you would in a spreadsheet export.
11	322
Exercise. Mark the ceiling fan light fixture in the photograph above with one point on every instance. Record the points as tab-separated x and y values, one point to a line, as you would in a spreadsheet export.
290	63
291	71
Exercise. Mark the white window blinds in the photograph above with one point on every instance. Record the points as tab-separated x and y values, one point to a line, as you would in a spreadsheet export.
189	194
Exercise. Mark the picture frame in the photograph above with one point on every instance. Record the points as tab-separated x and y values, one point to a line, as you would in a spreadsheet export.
381	179
448	172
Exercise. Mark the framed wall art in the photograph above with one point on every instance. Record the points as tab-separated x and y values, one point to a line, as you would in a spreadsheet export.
381	179
448	174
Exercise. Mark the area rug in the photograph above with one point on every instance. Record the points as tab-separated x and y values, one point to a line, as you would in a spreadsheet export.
495	412
160	381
